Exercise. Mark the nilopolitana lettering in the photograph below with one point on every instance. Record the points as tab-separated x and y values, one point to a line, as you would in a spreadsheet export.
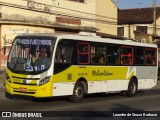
101	73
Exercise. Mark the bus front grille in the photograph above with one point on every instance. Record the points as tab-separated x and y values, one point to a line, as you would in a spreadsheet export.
25	81
24	92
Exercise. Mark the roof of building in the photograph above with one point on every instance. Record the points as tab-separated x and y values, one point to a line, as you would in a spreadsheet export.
105	35
137	15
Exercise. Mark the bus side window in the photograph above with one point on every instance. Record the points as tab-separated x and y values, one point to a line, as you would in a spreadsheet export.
98	54
150	56
138	56
83	53
113	55
126	55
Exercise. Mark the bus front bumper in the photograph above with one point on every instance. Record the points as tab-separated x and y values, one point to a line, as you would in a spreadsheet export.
29	90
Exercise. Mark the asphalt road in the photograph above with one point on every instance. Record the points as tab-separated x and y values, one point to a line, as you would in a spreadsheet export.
144	101
92	105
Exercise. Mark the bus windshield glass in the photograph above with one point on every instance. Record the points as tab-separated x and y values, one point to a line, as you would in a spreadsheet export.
31	54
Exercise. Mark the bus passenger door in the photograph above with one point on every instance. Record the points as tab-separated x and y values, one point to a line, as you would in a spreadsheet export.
63	56
63	69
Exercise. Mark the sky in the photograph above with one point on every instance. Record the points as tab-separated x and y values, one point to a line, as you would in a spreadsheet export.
125	4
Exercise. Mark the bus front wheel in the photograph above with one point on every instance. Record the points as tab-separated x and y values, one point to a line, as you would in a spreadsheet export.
132	88
78	92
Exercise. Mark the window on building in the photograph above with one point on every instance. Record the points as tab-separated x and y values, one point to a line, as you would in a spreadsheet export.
126	55
120	31
82	1
142	29
98	54
150	56
138	56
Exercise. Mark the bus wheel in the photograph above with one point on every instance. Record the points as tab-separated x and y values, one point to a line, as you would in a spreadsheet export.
78	92
132	88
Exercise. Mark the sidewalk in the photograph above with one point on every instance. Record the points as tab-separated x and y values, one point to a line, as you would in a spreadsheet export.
2	75
1	86
2	78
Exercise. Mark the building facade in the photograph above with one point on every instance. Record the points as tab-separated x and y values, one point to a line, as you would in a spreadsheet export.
138	24
39	16
87	17
106	16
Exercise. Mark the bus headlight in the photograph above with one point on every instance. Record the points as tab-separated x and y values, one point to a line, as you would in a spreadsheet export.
8	78
44	81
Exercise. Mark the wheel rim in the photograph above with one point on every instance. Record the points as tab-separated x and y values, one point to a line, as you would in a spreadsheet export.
133	88
78	92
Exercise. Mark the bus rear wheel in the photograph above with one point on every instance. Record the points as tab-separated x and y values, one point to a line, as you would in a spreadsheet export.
78	92
132	88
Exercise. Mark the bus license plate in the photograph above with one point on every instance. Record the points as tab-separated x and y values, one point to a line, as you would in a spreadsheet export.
23	89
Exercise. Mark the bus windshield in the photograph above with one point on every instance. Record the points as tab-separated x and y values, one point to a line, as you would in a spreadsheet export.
31	54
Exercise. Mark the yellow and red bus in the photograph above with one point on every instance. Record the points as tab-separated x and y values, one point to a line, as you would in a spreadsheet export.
76	65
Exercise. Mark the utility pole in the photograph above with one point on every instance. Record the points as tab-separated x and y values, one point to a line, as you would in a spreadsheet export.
154	18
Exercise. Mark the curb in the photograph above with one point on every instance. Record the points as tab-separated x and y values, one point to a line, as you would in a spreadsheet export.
2	87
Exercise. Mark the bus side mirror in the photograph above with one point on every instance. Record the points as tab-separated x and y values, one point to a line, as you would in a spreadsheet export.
4	50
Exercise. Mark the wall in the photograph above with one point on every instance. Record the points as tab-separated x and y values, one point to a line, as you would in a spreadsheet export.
51	9
138	35
9	32
158	26
108	23
142	36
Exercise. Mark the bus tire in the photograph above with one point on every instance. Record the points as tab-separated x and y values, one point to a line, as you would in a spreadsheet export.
132	88
78	92
85	87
